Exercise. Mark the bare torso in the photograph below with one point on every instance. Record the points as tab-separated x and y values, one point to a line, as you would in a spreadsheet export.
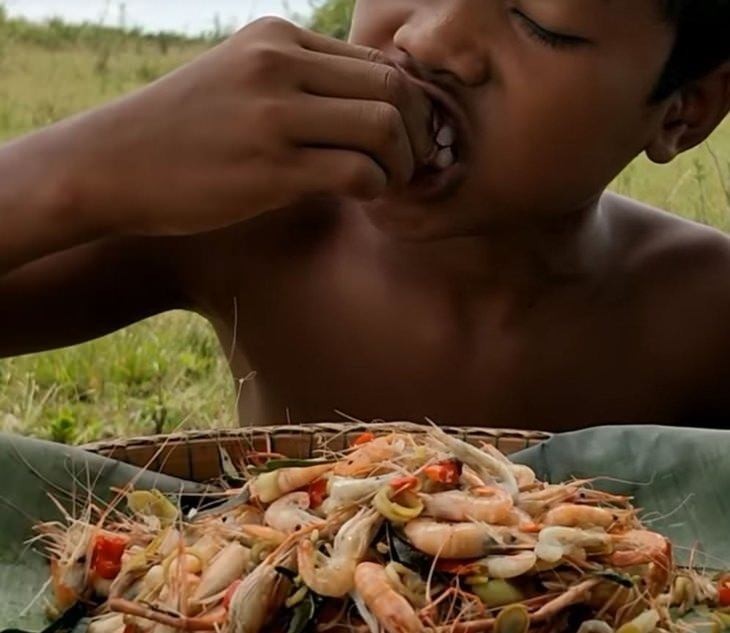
332	316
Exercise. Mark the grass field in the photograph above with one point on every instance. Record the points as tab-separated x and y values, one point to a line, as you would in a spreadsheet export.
168	372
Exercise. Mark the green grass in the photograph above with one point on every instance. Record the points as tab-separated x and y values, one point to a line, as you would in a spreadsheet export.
169	372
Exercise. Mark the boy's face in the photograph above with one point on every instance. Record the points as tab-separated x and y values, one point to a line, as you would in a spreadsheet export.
555	96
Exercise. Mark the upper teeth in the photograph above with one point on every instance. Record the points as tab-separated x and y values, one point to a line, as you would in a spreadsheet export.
446	136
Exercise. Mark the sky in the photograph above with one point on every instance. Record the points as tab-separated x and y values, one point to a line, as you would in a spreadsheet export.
188	16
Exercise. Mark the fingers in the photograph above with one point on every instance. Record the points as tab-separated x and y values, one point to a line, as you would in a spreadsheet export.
331	46
337	171
375	128
332	76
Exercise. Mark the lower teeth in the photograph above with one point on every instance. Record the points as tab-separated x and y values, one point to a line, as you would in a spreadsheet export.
444	158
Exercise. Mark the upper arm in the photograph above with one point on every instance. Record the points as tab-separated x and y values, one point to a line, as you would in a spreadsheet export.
88	291
706	300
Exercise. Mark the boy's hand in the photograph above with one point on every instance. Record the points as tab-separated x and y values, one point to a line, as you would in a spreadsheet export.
274	114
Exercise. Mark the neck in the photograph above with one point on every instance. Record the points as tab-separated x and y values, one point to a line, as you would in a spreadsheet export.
531	255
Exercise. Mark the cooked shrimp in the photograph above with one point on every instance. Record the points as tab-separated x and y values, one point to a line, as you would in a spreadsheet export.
456	540
256	533
71	553
229	565
244	515
209	622
366	457
492	505
289	513
640	547
557	542
261	594
506	567
487	467
391	609
576	515
536	502
335	576
270	486
524	474
522	520
345	491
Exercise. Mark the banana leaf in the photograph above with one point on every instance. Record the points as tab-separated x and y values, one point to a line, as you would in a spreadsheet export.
679	477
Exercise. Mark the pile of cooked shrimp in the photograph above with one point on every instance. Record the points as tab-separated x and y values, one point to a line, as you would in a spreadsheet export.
401	533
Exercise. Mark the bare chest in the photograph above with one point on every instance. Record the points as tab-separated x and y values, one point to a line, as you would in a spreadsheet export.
345	335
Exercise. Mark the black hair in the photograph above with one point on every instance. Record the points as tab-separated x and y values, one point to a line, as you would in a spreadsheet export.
702	42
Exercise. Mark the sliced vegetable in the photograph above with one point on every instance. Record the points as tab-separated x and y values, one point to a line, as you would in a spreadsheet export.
317	491
513	619
363	438
644	623
497	593
408	507
446	472
106	558
152	503
723	591
277	464
401	484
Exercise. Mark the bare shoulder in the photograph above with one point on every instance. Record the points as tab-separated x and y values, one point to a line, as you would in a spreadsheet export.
678	276
663	247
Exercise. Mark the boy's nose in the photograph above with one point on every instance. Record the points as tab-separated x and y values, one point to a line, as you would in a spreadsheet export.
447	36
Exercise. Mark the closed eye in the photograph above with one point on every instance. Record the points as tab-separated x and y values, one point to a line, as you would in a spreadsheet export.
546	36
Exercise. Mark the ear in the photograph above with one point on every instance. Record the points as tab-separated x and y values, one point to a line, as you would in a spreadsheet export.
691	115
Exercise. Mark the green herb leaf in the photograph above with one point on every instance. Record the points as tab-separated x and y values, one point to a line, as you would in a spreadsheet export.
304	614
619	579
277	464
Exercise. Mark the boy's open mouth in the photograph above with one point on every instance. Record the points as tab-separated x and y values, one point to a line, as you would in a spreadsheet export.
444	168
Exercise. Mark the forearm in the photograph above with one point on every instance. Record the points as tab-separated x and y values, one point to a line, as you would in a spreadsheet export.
39	214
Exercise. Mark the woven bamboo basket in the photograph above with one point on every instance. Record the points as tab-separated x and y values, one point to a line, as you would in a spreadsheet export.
195	455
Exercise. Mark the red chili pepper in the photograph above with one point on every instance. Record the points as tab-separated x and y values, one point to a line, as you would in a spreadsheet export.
723	591
317	492
106	559
230	592
399	484
363	438
447	472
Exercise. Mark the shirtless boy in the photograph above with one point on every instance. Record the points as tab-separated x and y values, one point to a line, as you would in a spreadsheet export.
289	188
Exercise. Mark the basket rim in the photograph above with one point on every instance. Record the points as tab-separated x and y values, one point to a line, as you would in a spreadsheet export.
305	430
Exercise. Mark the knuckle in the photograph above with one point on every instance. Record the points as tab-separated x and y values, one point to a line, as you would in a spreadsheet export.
375	56
388	123
394	85
272	26
265	60
360	177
